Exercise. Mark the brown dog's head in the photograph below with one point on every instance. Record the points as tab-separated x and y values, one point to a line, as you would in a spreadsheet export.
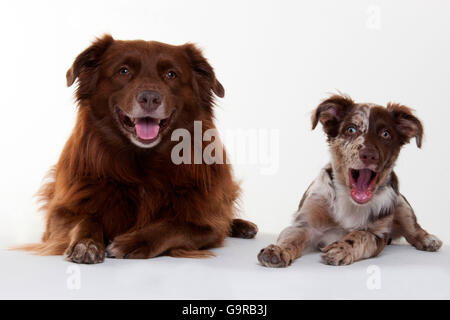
365	141
141	90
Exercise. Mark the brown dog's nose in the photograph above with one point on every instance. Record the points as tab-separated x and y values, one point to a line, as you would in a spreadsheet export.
369	156
149	100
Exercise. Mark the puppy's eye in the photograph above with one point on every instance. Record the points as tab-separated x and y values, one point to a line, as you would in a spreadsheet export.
351	130
170	75
124	71
385	134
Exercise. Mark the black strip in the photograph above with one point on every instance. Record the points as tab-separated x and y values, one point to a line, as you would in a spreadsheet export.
233	309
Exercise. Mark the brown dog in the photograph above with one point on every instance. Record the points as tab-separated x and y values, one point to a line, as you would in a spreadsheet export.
115	182
354	207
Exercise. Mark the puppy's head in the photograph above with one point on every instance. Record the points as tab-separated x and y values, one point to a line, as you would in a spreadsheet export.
365	141
141	90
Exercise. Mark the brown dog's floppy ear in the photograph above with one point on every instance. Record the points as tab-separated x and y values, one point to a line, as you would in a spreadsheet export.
85	66
408	126
206	78
331	112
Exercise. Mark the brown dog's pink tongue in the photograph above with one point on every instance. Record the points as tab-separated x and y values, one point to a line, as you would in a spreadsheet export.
147	128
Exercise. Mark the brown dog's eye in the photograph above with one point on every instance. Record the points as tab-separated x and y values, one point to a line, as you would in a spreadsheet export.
385	134
124	71
170	75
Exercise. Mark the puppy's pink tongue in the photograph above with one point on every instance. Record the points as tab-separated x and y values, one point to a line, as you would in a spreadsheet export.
361	192
361	196
146	128
362	183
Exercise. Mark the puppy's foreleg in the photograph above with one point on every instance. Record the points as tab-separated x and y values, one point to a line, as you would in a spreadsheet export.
356	245
311	219
405	224
290	245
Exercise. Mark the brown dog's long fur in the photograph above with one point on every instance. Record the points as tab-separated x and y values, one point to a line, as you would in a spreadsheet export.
106	190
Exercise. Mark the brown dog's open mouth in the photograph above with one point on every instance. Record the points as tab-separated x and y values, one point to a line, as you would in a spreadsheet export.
362	182
144	129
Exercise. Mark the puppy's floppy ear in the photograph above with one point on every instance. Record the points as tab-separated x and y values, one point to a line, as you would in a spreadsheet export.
408	126
331	112
203	72
85	66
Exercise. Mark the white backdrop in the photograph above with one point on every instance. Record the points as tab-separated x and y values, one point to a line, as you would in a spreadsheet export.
276	60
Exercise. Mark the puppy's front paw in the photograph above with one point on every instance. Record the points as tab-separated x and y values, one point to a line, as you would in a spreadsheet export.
337	254
127	246
85	251
429	243
275	257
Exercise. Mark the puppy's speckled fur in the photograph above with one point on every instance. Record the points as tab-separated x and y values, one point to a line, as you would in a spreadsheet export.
328	218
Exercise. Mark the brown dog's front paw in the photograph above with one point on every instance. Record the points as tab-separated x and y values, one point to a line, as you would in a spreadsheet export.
275	257
243	229
429	243
127	247
85	251
337	254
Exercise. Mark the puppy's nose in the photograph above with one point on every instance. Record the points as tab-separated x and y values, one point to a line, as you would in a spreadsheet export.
369	156
149	100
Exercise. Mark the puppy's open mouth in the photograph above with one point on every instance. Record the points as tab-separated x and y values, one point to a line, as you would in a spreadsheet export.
362	182
144	129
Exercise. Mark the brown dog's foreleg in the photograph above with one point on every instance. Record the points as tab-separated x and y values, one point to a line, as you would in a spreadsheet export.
405	224
243	229
165	238
290	245
86	242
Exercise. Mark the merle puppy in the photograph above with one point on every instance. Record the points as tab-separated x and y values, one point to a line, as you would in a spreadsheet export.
354	207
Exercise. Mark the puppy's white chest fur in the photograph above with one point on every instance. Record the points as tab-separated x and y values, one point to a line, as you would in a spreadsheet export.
346	213
352	216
